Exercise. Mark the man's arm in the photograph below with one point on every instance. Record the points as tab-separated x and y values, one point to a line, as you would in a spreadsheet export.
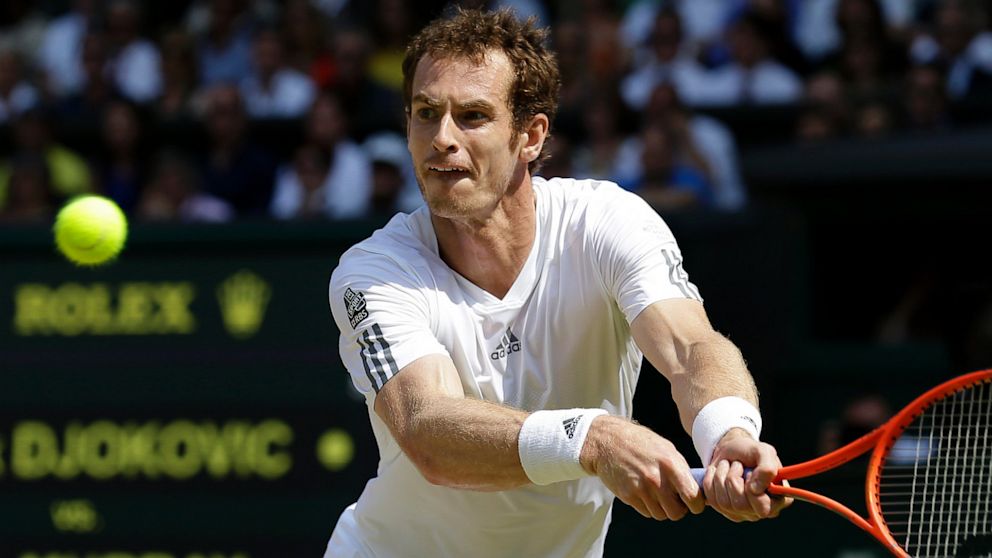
702	365
453	441
466	443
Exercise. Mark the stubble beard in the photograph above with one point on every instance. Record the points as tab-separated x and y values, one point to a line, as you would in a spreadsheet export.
481	199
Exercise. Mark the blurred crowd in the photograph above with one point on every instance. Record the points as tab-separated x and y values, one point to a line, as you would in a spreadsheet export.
211	110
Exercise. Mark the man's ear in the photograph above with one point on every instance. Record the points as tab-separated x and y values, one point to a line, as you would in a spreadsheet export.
533	137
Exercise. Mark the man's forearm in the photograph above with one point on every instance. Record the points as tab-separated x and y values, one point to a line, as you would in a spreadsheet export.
710	369
465	443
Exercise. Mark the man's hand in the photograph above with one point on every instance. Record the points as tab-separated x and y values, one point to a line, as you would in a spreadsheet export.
643	469
729	492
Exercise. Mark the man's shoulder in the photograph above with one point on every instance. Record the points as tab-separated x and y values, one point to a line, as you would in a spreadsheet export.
577	190
578	198
389	252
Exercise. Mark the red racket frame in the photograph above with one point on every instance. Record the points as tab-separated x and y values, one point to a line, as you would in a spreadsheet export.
881	439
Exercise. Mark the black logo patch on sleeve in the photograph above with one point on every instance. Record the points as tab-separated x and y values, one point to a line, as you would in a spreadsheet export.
355	303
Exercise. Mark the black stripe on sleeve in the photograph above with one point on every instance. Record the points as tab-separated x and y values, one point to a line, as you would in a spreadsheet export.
385	350
374	356
365	363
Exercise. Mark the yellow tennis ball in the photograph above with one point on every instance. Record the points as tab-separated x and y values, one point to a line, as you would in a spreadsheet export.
90	230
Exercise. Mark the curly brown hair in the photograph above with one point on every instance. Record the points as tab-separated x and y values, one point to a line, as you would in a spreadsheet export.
471	34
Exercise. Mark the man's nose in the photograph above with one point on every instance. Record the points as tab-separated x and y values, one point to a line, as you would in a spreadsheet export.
444	137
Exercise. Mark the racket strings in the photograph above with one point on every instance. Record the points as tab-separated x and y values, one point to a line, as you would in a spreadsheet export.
935	489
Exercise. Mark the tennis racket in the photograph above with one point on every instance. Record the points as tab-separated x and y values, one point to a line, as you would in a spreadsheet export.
929	484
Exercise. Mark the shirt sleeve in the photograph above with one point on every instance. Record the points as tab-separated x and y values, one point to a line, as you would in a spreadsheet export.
383	314
637	255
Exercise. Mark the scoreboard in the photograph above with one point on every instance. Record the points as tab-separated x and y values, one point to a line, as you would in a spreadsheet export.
186	401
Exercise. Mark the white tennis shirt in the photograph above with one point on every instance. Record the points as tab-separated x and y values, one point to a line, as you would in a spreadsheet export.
560	338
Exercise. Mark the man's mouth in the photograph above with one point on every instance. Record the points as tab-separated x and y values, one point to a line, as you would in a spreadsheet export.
448	169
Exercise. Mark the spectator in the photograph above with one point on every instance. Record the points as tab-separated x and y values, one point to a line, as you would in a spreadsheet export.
135	64
960	46
174	194
868	59
394	184
68	173
307	42
926	100
773	19
816	124
707	142
61	49
275	90
862	66
179	76
85	107
821	25
233	168
753	76
224	49
663	180
16	94
825	92
29	197
330	175
370	106
606	57
668	61
704	21
873	119
121	167
597	156
22	27
391	26
300	191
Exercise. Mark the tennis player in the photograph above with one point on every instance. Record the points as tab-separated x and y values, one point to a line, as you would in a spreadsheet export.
497	333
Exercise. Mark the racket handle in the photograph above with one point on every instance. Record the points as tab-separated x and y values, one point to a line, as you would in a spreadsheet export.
698	473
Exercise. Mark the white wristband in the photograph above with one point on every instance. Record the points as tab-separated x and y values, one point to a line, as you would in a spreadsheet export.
716	418
550	443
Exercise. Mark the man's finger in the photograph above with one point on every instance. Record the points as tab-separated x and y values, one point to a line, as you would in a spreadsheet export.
760	503
670	501
765	470
655	508
691	493
736	489
718	496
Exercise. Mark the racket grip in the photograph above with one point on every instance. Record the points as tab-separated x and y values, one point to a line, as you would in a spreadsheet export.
698	473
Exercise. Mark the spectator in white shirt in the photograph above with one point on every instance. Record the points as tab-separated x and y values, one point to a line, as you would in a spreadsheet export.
960	46
275	90
135	63
61	49
667	61
330	176
224	45
753	77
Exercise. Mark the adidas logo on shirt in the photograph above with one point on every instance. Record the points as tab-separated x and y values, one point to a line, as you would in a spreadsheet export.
509	344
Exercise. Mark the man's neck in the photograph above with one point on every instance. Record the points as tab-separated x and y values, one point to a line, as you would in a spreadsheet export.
491	252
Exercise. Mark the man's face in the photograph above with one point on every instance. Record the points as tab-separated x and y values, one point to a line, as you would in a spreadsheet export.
460	134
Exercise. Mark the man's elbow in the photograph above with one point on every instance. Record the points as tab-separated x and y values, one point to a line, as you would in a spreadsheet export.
431	469
426	460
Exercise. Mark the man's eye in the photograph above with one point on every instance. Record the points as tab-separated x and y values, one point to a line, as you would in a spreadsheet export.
426	113
475	116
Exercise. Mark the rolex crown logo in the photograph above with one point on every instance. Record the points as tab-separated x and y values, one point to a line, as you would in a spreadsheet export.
243	298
